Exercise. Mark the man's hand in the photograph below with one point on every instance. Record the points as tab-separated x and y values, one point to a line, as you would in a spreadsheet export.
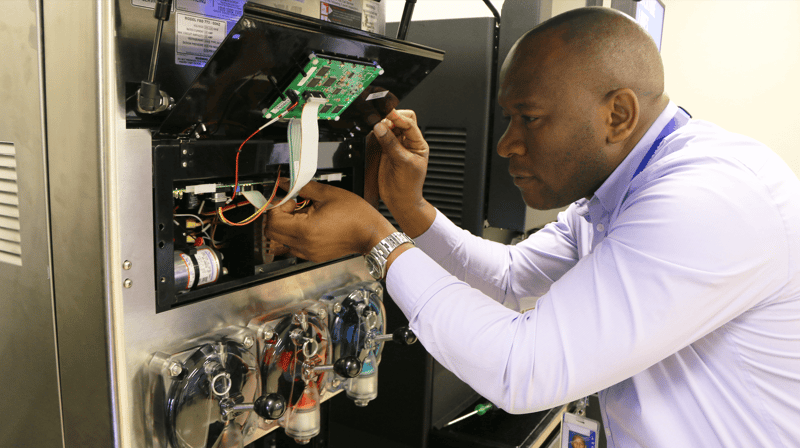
401	171
336	223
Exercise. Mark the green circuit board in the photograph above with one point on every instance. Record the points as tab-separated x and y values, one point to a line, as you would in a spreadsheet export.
340	82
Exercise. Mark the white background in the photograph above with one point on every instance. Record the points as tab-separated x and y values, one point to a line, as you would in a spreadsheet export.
733	62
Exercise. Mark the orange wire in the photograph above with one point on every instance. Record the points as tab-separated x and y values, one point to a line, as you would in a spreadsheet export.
239	151
258	213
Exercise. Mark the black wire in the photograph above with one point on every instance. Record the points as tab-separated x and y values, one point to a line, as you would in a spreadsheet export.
494	10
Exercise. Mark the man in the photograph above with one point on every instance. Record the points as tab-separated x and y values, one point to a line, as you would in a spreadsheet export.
679	254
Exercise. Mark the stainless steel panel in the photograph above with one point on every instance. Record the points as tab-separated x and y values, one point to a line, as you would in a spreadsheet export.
101	201
30	406
138	331
74	40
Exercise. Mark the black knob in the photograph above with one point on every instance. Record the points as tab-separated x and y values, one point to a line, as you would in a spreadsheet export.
348	367
404	335
270	407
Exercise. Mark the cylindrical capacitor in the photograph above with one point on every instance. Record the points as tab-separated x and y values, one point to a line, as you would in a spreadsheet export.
198	267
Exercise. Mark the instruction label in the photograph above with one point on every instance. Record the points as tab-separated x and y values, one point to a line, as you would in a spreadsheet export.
230	10
197	38
342	12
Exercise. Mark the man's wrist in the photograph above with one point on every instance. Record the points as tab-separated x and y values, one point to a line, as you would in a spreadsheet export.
414	219
378	257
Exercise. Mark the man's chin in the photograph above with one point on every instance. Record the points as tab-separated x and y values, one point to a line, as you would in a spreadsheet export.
538	202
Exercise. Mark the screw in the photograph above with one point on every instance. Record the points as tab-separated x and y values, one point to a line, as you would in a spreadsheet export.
268	334
127	283
371	319
184	152
248	342
127	265
322	313
337	307
184	164
175	369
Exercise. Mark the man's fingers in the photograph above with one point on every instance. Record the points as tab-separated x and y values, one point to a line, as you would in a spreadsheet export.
315	191
389	141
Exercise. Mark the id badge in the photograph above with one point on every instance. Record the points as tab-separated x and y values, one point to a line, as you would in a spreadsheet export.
578	432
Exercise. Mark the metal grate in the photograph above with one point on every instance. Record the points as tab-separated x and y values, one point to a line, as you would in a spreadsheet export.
10	249
444	183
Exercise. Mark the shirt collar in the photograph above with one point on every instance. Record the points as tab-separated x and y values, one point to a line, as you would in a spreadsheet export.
611	191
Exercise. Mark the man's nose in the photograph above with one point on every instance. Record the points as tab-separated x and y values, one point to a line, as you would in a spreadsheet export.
512	142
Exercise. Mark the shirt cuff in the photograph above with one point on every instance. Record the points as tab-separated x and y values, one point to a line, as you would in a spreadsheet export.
410	278
440	237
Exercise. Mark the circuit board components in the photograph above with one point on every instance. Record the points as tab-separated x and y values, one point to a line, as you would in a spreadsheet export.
338	81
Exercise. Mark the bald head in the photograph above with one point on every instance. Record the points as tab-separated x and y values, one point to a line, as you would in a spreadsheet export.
603	49
580	90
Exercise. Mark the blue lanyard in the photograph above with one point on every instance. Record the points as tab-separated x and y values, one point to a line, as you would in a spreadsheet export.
680	119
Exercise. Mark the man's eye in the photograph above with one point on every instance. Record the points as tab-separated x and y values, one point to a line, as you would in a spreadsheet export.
529	119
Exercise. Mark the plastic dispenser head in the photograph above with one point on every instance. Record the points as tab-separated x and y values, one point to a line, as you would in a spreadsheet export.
357	316
294	366
192	393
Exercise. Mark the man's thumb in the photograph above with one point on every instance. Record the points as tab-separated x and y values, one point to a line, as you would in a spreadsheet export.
314	191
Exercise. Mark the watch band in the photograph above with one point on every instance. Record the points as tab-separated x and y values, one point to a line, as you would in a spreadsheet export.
377	256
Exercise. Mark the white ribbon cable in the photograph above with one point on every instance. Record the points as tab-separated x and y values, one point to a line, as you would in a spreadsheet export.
303	147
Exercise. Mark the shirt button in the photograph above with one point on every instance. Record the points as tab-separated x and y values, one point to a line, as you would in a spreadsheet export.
600	227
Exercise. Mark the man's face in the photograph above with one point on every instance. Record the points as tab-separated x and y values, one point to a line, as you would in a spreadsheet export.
555	137
578	442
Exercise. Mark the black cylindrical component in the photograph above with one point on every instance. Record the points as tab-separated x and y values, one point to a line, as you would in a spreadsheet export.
149	96
404	335
151	74
162	9
348	367
270	407
405	20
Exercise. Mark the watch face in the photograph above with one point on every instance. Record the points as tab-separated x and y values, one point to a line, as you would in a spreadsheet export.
374	267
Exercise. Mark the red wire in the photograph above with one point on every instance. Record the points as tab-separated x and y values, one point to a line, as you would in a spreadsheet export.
239	151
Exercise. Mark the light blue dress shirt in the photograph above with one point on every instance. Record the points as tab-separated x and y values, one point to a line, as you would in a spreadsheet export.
675	294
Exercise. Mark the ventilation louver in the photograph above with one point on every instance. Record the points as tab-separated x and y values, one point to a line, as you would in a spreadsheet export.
444	183
10	249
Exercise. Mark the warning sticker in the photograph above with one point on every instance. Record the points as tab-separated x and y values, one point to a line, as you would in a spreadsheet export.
230	10
197	38
343	12
369	20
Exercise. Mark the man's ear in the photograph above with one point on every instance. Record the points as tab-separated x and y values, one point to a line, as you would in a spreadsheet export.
623	115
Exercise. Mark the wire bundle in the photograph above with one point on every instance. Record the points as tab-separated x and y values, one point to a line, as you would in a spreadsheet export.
266	206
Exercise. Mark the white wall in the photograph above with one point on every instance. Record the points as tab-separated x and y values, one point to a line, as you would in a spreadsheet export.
737	63
441	9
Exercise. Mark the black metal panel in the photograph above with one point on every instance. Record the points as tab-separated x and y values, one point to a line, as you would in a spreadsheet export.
454	108
506	208
234	86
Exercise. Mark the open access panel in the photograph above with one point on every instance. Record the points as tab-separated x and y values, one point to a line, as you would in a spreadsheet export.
209	235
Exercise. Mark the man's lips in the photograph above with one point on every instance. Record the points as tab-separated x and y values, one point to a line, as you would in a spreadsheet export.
522	178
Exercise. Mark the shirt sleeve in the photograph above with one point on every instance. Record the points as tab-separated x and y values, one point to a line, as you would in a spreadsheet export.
691	251
506	273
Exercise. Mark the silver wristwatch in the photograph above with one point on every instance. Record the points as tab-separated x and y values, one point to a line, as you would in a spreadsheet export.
376	258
